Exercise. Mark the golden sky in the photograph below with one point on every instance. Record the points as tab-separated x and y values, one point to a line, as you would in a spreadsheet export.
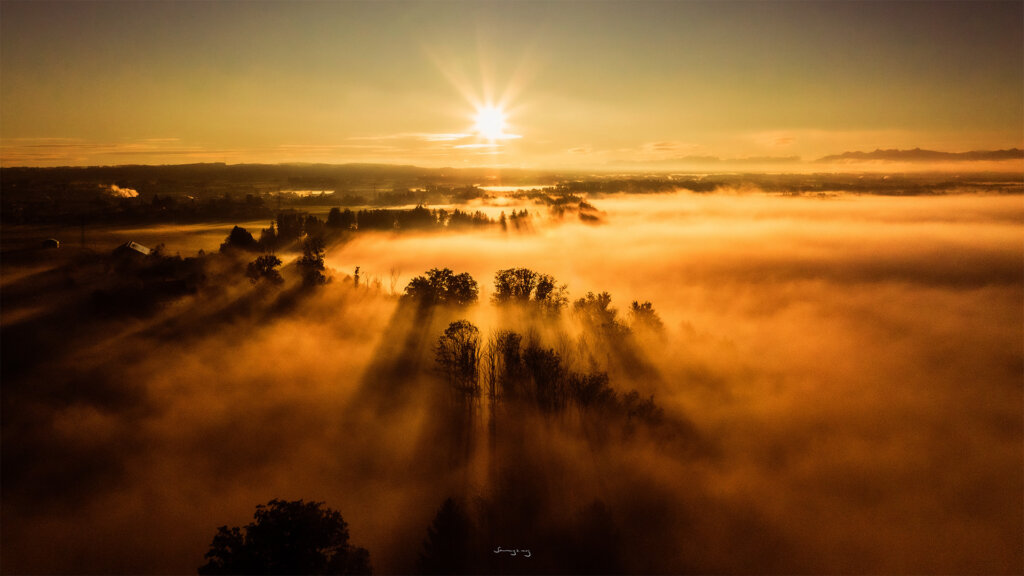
597	85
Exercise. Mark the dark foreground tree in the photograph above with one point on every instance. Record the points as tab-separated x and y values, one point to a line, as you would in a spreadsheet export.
287	538
448	547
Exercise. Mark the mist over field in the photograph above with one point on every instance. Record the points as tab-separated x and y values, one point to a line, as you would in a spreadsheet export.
840	378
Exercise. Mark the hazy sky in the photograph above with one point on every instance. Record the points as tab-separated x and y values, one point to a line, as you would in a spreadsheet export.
595	84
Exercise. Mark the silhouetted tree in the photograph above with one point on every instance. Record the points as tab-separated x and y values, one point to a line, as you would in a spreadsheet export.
442	287
544	366
549	295
268	238
589	214
419	218
313	226
376	220
289	226
311	264
287	538
503	365
240	239
591	390
645	410
520	220
597	313
264	268
596	309
460	219
343	220
644	318
514	285
448	547
522	285
462	290
334	218
458	355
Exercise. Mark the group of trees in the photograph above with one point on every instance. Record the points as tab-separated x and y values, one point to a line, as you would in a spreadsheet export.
418	218
263	270
399	196
458	355
523	371
562	205
533	291
311	263
292	227
524	286
518	369
442	287
520	221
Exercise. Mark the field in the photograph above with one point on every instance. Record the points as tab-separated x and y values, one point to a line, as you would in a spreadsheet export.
826	384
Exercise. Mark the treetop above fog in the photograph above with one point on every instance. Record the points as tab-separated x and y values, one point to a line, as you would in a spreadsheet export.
522	285
442	286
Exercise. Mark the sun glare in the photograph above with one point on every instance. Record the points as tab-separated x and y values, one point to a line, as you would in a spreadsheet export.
490	122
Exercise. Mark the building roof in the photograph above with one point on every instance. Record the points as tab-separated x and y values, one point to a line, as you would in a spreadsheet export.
134	247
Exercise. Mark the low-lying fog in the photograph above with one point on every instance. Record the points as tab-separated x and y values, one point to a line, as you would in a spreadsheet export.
853	362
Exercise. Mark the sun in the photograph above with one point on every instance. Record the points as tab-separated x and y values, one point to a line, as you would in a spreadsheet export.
490	122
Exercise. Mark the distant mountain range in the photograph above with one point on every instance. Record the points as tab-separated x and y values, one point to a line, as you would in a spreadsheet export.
919	155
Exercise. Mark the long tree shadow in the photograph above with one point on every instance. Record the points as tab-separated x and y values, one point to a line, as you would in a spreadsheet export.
399	360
